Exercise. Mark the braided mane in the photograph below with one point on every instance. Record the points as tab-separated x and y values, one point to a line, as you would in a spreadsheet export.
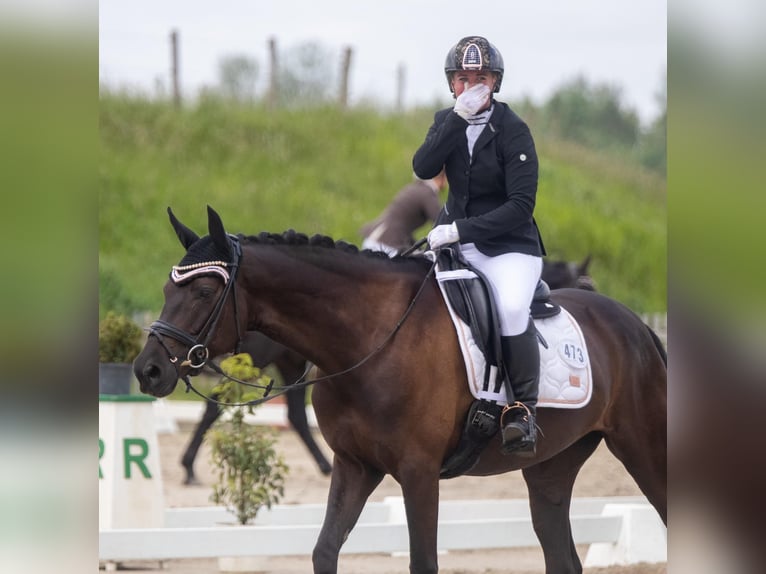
292	237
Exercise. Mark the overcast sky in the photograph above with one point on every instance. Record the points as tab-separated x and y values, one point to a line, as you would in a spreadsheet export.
544	42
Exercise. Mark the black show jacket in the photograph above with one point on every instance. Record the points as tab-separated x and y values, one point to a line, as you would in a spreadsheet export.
491	195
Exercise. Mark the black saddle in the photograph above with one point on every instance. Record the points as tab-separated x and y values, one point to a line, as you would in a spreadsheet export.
471	299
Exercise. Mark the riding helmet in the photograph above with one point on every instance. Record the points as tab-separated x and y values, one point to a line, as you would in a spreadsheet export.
474	53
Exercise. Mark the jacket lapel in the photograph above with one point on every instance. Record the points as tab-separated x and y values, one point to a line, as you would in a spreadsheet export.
490	130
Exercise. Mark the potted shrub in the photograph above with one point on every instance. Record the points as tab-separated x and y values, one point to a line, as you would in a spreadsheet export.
250	472
119	342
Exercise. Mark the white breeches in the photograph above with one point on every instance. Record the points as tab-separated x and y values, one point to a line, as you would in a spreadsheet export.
513	278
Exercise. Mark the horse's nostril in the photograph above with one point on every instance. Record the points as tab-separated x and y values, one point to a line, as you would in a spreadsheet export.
148	373
151	371
149	376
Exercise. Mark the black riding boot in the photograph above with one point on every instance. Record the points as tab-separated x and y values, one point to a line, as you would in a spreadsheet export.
521	356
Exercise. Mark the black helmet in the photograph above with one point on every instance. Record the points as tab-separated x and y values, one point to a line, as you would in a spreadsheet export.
474	53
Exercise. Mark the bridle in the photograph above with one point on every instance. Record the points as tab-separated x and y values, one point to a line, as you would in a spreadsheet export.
198	355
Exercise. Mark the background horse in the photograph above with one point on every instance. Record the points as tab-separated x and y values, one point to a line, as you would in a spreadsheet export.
561	274
291	366
396	396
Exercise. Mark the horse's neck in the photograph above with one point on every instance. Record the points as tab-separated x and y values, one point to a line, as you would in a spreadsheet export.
332	317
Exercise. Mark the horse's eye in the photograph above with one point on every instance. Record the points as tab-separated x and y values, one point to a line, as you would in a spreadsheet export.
206	292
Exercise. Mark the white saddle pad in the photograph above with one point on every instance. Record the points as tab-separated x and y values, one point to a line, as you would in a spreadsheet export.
566	381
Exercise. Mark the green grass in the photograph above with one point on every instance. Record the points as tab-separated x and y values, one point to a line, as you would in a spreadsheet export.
328	171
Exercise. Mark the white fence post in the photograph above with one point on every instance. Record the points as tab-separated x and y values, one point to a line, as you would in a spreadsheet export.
642	538
129	479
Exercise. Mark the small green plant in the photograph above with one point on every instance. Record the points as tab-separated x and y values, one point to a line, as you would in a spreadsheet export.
119	339
251	474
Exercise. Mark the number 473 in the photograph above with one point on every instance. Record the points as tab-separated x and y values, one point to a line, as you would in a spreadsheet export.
574	353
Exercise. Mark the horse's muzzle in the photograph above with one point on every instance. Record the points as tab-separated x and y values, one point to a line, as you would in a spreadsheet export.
157	379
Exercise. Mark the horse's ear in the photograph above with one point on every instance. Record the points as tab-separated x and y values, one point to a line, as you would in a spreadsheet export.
583	269
186	235
217	232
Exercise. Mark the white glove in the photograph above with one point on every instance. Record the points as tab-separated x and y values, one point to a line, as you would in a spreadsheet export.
471	100
442	235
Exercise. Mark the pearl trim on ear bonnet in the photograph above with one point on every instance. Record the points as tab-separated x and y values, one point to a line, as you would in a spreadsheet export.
202	258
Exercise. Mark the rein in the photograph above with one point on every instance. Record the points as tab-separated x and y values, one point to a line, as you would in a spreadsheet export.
301	381
418	244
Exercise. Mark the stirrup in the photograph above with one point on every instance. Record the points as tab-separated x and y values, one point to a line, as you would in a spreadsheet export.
523	444
515	405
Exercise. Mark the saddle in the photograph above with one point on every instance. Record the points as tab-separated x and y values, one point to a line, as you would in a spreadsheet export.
470	296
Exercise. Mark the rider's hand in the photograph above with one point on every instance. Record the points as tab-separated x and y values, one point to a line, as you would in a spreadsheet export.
471	100
443	235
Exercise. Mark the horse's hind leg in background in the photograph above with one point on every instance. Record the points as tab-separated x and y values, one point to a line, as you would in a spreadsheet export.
291	367
211	414
296	414
550	486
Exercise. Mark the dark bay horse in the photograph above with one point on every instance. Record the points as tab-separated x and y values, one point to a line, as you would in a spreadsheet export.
291	366
394	398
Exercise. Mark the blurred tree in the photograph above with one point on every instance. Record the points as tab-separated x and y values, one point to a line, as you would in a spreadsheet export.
653	144
306	77
237	77
592	115
113	295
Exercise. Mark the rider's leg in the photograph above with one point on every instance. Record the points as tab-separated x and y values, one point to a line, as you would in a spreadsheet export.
521	356
514	277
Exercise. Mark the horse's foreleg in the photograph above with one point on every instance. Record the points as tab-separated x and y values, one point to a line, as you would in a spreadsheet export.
550	486
351	484
296	414
420	488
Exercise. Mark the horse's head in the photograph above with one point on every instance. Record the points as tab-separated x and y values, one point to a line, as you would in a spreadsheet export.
562	274
201	316
584	280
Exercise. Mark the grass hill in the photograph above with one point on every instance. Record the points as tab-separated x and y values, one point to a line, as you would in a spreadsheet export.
329	171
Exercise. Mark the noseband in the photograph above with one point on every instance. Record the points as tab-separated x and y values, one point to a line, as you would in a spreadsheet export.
198	354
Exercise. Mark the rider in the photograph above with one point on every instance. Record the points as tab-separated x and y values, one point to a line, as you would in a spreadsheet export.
491	164
415	204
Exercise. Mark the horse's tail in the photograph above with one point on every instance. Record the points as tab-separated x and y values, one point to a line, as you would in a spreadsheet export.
658	344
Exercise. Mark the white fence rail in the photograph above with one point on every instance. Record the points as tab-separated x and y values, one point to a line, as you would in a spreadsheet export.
620	530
